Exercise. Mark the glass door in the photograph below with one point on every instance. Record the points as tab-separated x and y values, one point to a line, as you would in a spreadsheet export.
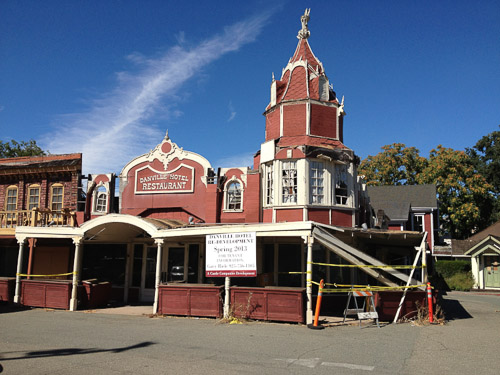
147	274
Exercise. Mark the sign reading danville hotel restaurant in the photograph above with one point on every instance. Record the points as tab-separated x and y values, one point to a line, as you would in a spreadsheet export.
150	181
231	254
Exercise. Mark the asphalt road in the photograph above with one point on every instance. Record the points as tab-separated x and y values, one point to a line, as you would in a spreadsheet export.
59	342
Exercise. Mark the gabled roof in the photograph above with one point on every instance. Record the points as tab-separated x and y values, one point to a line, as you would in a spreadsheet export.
396	201
488	246
493	230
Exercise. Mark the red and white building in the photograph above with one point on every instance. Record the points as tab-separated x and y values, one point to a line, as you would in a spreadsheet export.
301	198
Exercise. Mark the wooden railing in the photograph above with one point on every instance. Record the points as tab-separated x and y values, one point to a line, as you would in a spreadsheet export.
38	217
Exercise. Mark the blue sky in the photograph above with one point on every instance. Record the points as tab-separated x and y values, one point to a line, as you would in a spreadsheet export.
108	78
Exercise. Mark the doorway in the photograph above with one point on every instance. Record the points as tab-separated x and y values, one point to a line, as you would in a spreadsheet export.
144	271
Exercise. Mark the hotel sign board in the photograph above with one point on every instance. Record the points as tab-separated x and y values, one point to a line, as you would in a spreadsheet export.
231	255
151	181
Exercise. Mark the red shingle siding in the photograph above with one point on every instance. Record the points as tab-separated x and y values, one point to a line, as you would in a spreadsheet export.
311	141
294	119
342	218
428	229
319	215
323	121
251	198
267	215
297	88
304	52
273	124
314	88
289	215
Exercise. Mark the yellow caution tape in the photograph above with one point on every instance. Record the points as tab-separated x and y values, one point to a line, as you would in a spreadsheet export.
371	289
55	275
365	266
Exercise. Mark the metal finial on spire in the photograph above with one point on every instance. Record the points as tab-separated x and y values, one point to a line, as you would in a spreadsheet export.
304	32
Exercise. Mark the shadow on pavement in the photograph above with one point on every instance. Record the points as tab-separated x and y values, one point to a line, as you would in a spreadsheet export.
75	351
453	309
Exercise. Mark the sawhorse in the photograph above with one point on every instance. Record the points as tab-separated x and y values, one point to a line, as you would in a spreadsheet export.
360	312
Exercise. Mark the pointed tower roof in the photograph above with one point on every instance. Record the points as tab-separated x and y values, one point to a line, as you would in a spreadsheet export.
304	76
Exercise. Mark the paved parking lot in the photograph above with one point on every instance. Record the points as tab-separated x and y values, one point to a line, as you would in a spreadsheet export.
42	341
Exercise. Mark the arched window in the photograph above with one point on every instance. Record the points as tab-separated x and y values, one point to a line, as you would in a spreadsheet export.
101	199
11	199
56	197
233	196
33	197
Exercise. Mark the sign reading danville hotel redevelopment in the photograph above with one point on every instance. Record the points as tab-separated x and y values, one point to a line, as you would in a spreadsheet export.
231	254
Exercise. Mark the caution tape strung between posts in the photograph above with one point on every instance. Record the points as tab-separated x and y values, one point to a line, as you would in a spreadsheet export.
359	288
54	275
403	267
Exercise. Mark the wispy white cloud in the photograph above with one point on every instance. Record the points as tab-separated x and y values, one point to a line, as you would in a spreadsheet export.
232	112
115	129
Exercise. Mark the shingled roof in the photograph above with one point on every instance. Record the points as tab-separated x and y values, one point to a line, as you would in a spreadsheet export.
397	200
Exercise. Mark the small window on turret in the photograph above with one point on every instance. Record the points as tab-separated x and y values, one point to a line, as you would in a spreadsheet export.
289	182
341	184
316	182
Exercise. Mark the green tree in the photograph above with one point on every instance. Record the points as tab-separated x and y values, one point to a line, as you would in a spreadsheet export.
12	149
485	155
395	165
464	194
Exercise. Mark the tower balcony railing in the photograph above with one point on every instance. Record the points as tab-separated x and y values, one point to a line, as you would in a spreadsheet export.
37	217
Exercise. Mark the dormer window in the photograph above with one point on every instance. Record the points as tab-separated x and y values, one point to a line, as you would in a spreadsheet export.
233	196
101	200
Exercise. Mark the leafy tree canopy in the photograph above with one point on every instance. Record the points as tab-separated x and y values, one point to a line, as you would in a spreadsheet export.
464	194
395	165
12	149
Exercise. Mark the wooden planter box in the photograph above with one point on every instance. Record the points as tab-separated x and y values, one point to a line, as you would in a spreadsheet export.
95	295
190	300
53	294
270	303
7	289
387	304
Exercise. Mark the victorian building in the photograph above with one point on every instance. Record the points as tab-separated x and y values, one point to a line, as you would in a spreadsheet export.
302	199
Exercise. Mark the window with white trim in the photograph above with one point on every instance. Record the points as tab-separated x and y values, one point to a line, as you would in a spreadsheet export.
233	196
341	184
11	199
269	184
101	199
56	197
33	197
316	182
289	182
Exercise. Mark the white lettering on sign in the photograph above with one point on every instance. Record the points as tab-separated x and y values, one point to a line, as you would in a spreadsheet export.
151	181
232	254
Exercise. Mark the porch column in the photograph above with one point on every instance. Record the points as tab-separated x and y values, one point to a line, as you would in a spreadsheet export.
77	266
309	312
128	265
17	295
159	243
